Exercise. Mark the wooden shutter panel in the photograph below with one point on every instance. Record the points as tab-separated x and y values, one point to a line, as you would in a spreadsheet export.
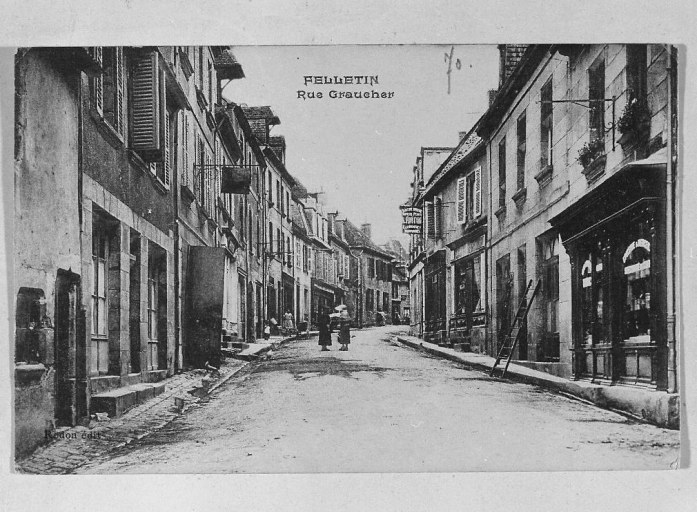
478	191
438	217
430	226
168	141
98	83
461	200
119	91
146	137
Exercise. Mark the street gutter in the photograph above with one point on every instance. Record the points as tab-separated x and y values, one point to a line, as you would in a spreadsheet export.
656	407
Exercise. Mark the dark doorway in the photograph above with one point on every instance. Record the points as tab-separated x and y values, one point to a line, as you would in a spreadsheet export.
522	301
504	285
134	298
66	343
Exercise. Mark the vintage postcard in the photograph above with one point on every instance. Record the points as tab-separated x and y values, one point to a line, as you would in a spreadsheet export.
339	259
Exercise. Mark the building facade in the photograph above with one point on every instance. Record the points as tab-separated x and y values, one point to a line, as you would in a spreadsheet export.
576	155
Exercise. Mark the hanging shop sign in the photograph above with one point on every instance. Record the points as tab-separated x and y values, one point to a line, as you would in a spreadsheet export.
235	179
411	220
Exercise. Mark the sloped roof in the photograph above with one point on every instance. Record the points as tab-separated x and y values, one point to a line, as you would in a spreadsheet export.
261	112
355	238
467	145
227	66
297	218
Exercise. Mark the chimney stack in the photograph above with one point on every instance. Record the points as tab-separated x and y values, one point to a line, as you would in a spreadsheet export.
366	230
509	57
492	96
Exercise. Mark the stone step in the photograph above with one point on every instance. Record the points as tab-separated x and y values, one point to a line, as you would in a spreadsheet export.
117	401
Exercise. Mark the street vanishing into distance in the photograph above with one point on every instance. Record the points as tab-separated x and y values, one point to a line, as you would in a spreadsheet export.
384	407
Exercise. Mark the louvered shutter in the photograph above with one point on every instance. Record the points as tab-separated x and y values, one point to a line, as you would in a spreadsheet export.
478	191
438	217
168	141
119	91
430	226
146	136
187	142
461	206
98	82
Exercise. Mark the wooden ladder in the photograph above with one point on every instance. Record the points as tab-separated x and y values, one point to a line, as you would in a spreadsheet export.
510	341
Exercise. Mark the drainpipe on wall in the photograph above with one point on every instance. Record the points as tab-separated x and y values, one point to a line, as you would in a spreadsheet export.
178	355
671	242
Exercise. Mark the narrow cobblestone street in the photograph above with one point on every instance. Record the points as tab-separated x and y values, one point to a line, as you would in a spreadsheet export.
384	407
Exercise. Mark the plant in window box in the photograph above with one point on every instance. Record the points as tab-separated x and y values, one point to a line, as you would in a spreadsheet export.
591	151
633	124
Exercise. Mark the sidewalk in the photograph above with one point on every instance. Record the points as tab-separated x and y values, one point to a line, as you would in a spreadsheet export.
656	407
73	447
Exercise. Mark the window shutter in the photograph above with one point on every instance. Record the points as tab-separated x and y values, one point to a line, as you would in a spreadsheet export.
98	82
146	136
167	164
185	148
461	200
438	217
430	227
478	191
119	91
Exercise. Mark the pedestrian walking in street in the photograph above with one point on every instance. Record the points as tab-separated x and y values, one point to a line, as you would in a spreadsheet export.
267	330
344	330
288	324
325	330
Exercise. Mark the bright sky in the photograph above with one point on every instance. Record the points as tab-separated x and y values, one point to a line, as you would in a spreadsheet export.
361	151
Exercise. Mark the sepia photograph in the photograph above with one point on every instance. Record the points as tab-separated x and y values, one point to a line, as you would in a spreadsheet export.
416	258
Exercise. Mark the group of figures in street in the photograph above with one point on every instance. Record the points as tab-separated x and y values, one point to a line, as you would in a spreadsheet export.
328	321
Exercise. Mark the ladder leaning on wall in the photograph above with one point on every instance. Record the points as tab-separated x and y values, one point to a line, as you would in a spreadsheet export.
511	340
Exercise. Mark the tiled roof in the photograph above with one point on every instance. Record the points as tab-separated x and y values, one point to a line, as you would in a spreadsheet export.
227	66
464	148
296	216
277	140
263	112
355	238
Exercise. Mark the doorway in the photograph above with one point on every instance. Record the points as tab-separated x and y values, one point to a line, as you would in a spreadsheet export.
68	345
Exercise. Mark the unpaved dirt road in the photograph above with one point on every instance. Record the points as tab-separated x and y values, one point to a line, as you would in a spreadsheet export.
384	407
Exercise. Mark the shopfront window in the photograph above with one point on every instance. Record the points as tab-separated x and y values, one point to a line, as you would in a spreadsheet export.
637	303
591	297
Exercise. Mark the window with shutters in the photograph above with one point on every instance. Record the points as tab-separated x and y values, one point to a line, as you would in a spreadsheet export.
470	196
270	237
461	201
148	107
521	150
108	90
477	191
596	95
431	221
502	173
100	305
163	170
438	217
371	267
546	124
186	169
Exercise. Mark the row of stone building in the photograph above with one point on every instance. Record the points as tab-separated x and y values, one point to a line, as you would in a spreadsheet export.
156	223
569	179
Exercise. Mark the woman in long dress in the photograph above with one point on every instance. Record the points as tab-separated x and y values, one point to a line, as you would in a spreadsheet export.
344	330
325	331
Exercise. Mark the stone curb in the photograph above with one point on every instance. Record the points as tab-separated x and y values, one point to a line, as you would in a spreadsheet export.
45	461
655	407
